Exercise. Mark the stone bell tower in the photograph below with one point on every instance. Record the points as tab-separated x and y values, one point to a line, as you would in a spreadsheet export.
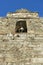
21	38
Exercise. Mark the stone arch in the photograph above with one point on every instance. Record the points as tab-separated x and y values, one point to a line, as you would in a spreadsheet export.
21	26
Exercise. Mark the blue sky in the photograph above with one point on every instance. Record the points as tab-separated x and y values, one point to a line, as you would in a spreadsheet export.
13	5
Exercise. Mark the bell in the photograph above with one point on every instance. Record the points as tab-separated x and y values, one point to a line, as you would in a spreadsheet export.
21	29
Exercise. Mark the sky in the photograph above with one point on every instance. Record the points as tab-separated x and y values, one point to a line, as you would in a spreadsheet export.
13	5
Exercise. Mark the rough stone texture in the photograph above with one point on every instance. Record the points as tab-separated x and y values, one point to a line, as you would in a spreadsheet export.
21	48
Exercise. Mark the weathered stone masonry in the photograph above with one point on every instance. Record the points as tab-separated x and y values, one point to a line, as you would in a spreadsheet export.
21	38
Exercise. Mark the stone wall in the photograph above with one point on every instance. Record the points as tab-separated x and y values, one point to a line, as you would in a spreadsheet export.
25	49
21	48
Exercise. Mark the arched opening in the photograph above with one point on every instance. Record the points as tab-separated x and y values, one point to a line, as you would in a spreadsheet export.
21	27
